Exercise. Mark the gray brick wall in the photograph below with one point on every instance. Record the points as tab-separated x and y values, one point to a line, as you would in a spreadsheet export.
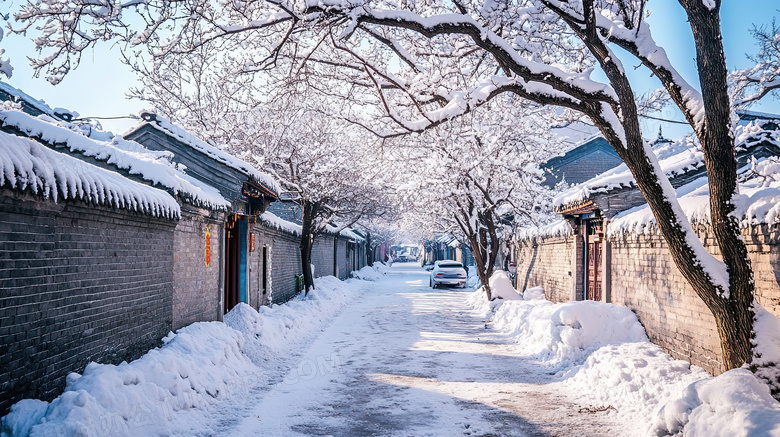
284	258
645	279
322	255
549	263
79	283
196	287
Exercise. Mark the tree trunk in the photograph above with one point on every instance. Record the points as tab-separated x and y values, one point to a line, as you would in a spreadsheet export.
479	262
307	241
369	251
734	314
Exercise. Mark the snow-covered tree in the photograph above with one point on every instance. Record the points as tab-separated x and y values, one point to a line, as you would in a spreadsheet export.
325	168
478	178
430	61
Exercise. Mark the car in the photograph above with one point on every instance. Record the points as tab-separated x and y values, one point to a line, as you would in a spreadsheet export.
448	273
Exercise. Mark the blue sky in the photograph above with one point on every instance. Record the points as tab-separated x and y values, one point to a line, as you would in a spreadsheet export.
98	87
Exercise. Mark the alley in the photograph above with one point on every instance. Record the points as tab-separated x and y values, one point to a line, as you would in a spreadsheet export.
406	360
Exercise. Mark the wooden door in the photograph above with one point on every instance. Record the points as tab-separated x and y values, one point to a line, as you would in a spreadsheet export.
232	262
595	268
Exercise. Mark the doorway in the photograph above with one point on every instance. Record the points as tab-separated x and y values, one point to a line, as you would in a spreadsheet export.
236	237
595	240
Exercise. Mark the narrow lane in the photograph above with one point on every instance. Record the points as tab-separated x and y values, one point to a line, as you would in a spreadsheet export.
405	360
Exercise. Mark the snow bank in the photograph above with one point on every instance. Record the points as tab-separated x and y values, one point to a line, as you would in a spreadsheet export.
735	404
274	329
197	366
563	335
634	378
368	273
501	290
533	293
601	352
501	287
381	268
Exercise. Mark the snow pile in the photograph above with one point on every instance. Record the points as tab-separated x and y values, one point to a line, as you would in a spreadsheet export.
534	293
152	166
601	351
501	287
634	378
565	334
766	353
197	366
26	165
368	273
381	267
735	403
274	329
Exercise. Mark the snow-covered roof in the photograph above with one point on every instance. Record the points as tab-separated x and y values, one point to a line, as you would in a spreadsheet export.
129	156
36	104
351	234
166	126
28	166
275	222
758	201
676	158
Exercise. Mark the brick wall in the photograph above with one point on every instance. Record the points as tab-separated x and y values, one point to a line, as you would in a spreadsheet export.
322	256
196	287
79	284
549	263
645	279
284	259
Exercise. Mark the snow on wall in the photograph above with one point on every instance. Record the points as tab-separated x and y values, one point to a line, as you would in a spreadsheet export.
167	127
26	165
154	167
559	228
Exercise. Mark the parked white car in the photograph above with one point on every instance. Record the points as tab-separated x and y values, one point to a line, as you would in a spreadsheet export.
448	273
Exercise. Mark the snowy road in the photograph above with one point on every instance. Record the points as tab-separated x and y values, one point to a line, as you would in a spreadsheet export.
405	360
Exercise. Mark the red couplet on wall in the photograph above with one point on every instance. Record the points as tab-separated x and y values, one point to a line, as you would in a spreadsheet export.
251	241
208	247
